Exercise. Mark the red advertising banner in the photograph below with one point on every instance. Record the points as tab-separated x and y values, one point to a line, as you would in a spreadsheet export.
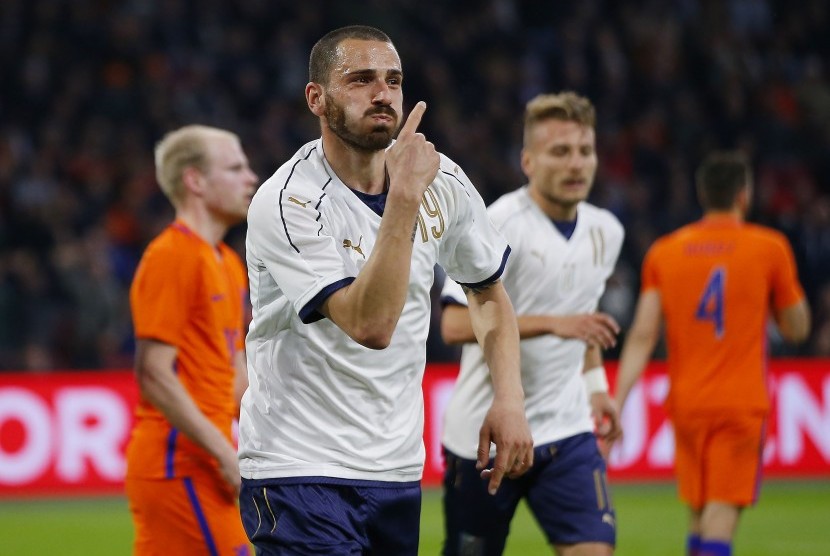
798	432
65	433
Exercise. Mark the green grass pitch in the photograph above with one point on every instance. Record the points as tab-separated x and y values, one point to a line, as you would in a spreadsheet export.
791	518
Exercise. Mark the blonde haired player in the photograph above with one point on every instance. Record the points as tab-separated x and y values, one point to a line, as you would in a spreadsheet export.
187	301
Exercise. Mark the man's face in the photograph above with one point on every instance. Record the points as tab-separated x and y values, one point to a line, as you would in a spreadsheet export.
560	161
229	181
364	99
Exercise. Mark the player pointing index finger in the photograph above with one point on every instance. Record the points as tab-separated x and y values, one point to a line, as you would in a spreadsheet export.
347	204
414	120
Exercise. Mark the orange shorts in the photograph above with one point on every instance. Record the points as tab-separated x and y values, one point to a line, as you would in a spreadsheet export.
718	457
185	515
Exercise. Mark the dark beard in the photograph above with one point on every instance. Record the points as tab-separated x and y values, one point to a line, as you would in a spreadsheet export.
376	140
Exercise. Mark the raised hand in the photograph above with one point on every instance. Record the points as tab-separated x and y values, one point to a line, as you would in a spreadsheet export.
412	162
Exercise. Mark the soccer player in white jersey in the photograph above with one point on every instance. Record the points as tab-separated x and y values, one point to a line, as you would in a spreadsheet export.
342	242
564	249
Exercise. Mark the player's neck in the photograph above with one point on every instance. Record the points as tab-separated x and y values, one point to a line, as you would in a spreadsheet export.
735	214
360	170
204	225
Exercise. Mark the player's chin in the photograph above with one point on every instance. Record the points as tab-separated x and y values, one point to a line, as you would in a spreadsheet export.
238	214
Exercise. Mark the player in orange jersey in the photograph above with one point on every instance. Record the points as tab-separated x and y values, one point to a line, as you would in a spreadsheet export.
715	283
187	301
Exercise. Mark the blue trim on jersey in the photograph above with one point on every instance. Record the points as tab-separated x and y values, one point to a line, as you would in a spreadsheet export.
309	312
450	174
200	517
375	202
565	227
170	454
494	277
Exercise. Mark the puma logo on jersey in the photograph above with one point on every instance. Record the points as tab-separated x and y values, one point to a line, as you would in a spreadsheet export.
347	243
609	519
297	201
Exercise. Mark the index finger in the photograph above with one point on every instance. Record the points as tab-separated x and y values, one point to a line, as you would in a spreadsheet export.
413	120
497	473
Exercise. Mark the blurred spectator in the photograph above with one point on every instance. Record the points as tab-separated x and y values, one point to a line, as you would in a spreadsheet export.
88	87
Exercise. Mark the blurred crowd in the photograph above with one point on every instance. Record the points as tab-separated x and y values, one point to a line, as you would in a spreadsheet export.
88	86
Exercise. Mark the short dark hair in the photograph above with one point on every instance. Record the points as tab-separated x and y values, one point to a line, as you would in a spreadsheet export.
720	177
324	53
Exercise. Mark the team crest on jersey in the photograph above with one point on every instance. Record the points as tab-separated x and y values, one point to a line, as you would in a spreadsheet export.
348	244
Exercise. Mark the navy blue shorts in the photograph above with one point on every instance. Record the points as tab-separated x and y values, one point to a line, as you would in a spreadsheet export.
566	489
322	515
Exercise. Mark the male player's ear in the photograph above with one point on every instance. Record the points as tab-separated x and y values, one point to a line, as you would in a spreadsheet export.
527	163
315	98
192	180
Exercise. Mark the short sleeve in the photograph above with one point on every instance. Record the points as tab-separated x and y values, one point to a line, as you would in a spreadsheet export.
162	290
786	289
475	253
290	236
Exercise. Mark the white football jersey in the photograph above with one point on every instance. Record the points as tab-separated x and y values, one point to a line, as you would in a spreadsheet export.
319	403
547	274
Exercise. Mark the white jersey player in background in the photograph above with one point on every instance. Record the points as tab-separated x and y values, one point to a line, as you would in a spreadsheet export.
342	242
564	249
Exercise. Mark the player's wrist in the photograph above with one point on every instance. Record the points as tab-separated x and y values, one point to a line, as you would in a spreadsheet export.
595	380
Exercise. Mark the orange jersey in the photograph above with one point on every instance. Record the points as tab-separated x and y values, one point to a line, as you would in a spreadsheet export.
718	278
189	294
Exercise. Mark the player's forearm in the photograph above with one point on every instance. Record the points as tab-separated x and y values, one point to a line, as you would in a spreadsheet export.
794	322
161	387
168	396
532	326
494	323
593	358
456	327
633	360
640	343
